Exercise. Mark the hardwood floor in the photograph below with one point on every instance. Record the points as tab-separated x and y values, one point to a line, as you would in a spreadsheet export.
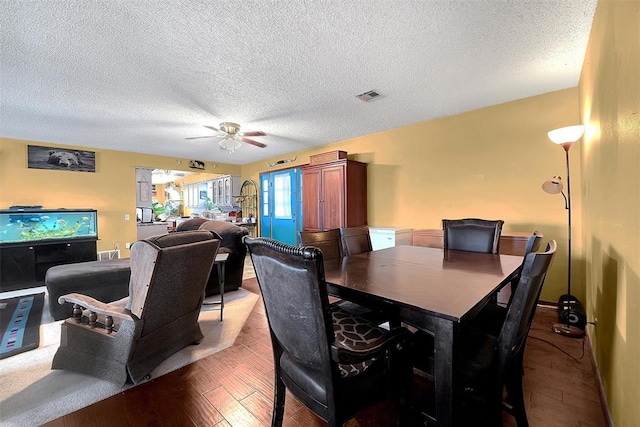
234	387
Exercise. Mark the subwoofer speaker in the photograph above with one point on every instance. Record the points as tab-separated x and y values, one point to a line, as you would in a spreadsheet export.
571	312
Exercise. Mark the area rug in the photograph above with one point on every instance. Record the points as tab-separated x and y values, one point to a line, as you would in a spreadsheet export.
20	324
32	394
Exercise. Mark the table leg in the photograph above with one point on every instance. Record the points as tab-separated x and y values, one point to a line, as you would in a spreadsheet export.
221	271
444	359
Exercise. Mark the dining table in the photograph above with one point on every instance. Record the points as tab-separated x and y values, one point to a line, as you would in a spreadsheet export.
431	289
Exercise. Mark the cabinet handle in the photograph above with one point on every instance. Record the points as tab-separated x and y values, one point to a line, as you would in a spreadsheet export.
30	248
68	244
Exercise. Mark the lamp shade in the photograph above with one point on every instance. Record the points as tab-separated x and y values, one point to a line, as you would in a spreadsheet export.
553	186
567	134
230	144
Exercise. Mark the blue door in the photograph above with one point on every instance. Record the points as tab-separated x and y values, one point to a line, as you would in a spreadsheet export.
281	198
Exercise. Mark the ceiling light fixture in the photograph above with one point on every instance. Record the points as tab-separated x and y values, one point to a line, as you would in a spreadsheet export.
229	143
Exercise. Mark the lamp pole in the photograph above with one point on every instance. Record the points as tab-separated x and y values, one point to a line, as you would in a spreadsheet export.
566	147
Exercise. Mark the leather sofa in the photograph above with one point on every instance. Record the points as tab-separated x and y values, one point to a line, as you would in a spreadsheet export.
231	236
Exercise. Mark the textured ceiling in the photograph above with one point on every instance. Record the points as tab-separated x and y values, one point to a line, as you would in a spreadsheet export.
142	75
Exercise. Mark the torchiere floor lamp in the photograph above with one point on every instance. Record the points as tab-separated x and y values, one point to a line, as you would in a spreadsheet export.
572	319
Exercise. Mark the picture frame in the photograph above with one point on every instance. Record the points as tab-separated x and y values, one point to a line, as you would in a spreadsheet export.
145	191
67	159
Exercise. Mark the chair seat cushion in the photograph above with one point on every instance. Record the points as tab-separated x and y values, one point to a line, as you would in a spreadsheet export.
351	332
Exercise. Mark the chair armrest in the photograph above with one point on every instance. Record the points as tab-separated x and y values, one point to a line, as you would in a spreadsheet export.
96	306
344	354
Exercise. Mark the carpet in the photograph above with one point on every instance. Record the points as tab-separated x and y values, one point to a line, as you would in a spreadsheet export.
20	324
32	394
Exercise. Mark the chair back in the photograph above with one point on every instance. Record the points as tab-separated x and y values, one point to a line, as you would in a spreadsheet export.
329	242
533	244
291	280
523	304
356	240
168	276
472	235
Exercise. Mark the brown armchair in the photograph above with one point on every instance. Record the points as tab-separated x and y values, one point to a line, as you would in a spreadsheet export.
126	339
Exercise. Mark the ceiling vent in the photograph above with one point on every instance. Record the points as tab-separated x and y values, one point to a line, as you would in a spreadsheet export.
368	96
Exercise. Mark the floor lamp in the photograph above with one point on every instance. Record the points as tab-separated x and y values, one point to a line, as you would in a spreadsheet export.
572	319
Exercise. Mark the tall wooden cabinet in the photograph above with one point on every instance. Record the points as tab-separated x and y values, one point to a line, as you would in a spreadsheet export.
334	194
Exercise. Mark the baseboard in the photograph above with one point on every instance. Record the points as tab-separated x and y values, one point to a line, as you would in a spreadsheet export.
603	397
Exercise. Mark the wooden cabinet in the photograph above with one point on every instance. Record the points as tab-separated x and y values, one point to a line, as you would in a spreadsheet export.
25	265
334	194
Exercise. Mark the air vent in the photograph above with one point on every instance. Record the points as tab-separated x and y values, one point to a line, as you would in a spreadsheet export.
368	96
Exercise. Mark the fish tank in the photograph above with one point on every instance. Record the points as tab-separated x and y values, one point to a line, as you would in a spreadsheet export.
22	225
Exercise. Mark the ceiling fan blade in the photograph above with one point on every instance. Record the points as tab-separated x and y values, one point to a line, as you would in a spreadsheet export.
258	133
213	128
252	142
200	137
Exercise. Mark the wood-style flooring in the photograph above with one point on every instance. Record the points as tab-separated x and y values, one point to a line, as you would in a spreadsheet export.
234	387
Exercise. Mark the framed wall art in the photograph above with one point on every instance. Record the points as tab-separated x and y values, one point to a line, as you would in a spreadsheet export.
39	157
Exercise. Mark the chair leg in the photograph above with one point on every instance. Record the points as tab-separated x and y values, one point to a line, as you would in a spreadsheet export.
278	402
516	398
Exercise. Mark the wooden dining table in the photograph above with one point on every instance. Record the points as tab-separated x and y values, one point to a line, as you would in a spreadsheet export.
432	289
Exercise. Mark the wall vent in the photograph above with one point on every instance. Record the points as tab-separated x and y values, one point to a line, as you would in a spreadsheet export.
368	96
107	255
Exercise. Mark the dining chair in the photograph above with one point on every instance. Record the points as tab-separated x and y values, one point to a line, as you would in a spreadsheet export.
491	318
356	240
489	364
334	363
472	234
329	242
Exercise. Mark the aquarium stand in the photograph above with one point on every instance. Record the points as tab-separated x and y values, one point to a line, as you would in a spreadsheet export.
23	265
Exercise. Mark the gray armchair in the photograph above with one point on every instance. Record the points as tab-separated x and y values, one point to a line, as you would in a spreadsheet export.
126	339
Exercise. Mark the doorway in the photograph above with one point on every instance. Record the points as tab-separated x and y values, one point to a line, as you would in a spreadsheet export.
280	217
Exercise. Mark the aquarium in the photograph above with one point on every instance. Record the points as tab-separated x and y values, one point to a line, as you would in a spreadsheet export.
35	225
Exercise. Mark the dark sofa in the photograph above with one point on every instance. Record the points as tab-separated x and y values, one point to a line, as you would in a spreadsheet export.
231	236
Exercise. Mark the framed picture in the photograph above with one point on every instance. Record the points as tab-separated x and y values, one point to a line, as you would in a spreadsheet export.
145	191
60	159
196	164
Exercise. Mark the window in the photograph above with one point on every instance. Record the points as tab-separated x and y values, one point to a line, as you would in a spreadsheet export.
282	196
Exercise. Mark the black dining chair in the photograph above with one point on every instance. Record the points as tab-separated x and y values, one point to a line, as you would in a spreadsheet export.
356	240
472	234
334	363
330	242
491	317
489	364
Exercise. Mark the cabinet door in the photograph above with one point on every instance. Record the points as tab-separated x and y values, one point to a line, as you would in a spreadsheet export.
227	191
214	197
333	198
81	252
17	265
311	186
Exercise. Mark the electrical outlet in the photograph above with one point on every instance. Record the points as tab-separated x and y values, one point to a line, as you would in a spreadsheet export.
126	217
127	245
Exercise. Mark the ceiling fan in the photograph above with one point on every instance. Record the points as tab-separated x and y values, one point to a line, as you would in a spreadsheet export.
232	137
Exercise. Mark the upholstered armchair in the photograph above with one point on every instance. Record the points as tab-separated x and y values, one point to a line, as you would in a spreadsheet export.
125	340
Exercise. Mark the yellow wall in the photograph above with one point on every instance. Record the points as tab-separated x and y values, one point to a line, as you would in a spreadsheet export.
110	190
610	106
488	163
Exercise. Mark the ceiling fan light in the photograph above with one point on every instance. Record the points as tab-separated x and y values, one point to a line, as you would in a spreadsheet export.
230	144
